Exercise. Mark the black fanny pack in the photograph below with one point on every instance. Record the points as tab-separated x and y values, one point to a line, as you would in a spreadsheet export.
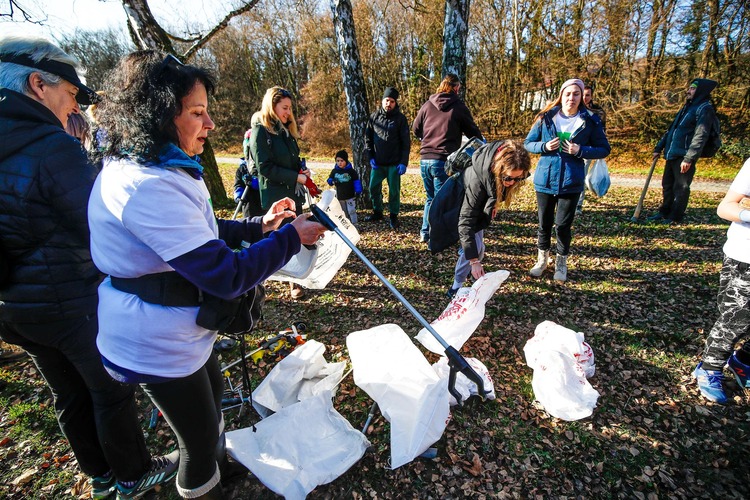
234	316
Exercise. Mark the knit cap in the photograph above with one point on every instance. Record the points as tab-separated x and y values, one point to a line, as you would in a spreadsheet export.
342	154
391	92
572	81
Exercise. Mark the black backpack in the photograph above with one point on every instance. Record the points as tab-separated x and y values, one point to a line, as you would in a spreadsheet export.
713	143
459	160
444	212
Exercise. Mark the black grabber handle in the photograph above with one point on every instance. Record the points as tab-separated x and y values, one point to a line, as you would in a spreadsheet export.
456	362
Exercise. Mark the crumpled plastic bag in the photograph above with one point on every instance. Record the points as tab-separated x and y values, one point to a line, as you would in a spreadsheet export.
464	313
597	180
302	374
314	269
395	374
300	447
465	387
561	359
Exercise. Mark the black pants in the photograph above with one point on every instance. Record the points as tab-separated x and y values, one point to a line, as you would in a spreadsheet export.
96	414
562	218
192	407
676	190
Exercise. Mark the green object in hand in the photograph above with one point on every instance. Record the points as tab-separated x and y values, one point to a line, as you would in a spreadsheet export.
563	136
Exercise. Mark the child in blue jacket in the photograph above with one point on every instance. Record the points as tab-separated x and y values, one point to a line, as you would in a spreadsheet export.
347	183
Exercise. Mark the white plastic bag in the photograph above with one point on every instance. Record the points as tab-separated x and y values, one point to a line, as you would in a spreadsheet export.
465	387
300	447
464	313
395	374
560	359
597	180
302	374
315	271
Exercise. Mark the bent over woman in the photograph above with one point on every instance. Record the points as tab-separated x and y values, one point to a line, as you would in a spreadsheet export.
154	233
566	134
498	170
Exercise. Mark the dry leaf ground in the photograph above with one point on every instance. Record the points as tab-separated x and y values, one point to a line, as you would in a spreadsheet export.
644	295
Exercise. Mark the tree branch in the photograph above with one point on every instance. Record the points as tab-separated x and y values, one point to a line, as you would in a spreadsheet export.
29	18
220	26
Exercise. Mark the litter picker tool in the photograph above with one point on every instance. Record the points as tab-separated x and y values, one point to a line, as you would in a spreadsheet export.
456	362
639	206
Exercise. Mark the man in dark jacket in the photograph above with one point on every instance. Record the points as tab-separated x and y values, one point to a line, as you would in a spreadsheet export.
439	124
48	299
682	145
387	146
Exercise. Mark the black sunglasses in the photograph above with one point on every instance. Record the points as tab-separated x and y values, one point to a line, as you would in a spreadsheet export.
507	178
285	93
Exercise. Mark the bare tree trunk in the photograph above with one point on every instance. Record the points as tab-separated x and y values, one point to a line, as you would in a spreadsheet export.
354	88
455	32
146	33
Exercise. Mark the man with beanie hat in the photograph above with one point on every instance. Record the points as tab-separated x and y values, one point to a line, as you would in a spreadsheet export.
682	145
387	145
49	297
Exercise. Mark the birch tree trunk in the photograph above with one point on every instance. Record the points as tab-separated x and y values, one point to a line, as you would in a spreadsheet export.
455	33
354	88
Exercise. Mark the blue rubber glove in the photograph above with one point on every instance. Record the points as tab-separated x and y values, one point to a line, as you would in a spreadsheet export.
254	183
238	194
373	164
330	181
401	169
357	187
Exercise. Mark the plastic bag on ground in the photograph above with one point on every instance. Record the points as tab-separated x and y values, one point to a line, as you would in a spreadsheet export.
597	180
395	374
464	313
302	374
300	447
465	387
560	361
315	269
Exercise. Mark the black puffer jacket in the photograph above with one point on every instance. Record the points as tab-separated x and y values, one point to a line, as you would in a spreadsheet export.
479	199
45	181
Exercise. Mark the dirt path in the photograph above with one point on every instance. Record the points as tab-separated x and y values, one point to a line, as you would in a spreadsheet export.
617	180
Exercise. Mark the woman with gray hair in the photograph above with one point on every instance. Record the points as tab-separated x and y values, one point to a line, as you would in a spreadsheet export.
48	298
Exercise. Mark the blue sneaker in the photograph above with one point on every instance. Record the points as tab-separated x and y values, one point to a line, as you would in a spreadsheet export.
162	470
709	383
740	370
102	486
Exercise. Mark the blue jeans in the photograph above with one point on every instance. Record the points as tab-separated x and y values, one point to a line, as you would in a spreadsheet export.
97	414
463	266
433	176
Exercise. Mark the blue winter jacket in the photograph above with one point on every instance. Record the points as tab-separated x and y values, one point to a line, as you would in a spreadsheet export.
557	172
690	129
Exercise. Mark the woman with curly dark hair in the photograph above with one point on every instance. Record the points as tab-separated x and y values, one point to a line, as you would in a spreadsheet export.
153	231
